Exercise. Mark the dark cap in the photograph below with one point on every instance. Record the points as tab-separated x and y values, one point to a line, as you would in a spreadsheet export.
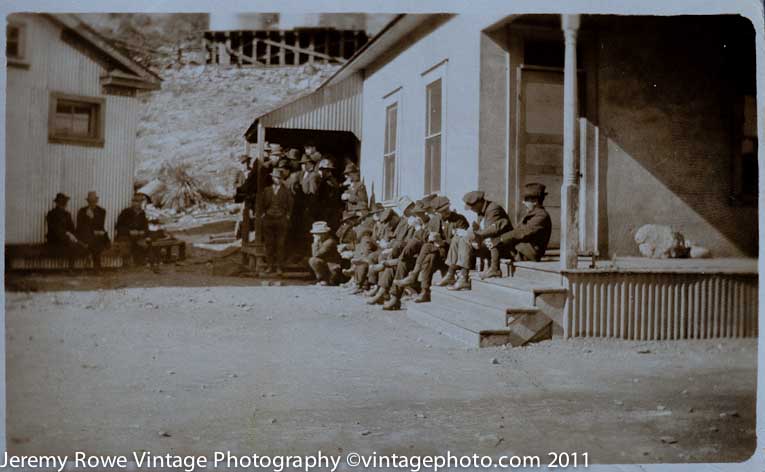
471	198
534	190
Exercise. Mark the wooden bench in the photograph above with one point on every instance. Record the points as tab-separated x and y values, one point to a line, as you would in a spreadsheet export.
165	249
40	257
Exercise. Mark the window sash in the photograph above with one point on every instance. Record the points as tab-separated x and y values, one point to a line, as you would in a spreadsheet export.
389	176
75	119
389	151
433	117
433	163
14	44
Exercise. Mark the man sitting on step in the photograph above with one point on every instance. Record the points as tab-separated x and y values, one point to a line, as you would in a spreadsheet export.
528	242
493	222
325	260
433	253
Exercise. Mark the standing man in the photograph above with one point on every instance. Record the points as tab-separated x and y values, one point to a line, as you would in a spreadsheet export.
90	228
61	237
275	212
355	197
328	195
133	231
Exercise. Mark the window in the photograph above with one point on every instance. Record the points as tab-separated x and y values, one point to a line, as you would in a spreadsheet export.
76	120
433	124
15	47
389	152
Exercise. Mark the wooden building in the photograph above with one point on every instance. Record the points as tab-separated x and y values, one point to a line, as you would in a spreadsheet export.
71	118
627	120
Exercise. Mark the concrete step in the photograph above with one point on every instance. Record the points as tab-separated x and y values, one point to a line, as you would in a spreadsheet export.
471	324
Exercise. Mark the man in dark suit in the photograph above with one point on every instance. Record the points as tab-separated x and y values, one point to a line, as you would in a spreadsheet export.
275	212
529	240
132	230
90	228
492	223
61	237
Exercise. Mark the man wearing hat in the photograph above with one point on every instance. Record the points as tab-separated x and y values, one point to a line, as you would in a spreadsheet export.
433	254
328	195
61	237
132	230
325	260
529	240
90	228
355	196
275	212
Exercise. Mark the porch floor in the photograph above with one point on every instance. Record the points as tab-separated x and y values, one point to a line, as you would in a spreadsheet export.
647	265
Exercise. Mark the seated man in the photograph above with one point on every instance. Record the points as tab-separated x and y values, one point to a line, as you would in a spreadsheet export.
61	238
325	260
132	233
416	237
90	228
529	240
493	222
434	252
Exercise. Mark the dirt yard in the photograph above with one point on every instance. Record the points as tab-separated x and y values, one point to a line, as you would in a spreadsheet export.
119	363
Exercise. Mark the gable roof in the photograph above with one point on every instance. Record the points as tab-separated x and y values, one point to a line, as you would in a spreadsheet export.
117	60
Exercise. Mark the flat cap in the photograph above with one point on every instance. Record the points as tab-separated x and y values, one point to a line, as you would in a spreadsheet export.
471	198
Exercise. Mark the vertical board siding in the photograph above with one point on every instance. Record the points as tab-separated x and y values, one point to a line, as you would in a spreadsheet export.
35	169
335	108
661	306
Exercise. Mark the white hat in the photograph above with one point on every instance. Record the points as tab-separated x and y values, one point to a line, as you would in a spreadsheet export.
320	227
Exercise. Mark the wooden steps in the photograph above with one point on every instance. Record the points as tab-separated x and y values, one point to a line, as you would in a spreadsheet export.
496	311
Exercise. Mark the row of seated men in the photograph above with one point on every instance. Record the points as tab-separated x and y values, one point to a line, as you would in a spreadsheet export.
390	253
89	236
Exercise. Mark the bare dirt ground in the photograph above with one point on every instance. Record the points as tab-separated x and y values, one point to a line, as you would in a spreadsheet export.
109	363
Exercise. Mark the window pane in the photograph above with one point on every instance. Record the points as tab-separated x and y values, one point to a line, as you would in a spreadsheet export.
12	49
13	33
433	164
75	119
62	124
390	128
389	176
434	107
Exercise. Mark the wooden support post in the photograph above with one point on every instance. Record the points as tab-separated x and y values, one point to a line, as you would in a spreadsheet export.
268	50
311	45
254	51
259	241
239	49
282	49
296	43
342	44
227	56
569	244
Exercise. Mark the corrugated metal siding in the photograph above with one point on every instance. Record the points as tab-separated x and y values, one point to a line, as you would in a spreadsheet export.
661	306
35	169
334	108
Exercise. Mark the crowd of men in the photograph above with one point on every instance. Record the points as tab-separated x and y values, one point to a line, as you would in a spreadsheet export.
134	234
383	252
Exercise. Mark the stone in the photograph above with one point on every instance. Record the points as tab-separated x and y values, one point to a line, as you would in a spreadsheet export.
494	360
272	421
668	440
164	434
660	242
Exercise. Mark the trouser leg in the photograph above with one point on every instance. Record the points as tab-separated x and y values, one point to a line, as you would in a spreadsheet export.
320	268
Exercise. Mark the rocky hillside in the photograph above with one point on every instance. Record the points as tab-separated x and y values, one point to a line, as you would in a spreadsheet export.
196	122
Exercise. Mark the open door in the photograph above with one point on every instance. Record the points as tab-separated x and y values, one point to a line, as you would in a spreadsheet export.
540	137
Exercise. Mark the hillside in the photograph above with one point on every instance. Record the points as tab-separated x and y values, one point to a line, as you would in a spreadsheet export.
198	119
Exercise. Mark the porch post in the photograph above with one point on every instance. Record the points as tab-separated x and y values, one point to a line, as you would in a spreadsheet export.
569	244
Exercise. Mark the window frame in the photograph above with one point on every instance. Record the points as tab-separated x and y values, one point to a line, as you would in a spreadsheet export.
389	100
94	141
20	60
738	197
432	74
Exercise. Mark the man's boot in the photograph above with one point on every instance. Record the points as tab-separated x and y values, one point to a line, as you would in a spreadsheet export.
378	298
449	278
424	296
463	282
393	304
493	270
409	280
372	290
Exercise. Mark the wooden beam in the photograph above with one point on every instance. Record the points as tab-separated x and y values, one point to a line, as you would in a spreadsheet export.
306	51
569	233
268	44
240	46
296	42
311	46
282	49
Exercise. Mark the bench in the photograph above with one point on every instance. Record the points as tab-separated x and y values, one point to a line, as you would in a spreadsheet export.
40	257
165	249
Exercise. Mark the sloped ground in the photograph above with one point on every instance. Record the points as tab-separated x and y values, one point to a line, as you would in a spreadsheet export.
199	117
